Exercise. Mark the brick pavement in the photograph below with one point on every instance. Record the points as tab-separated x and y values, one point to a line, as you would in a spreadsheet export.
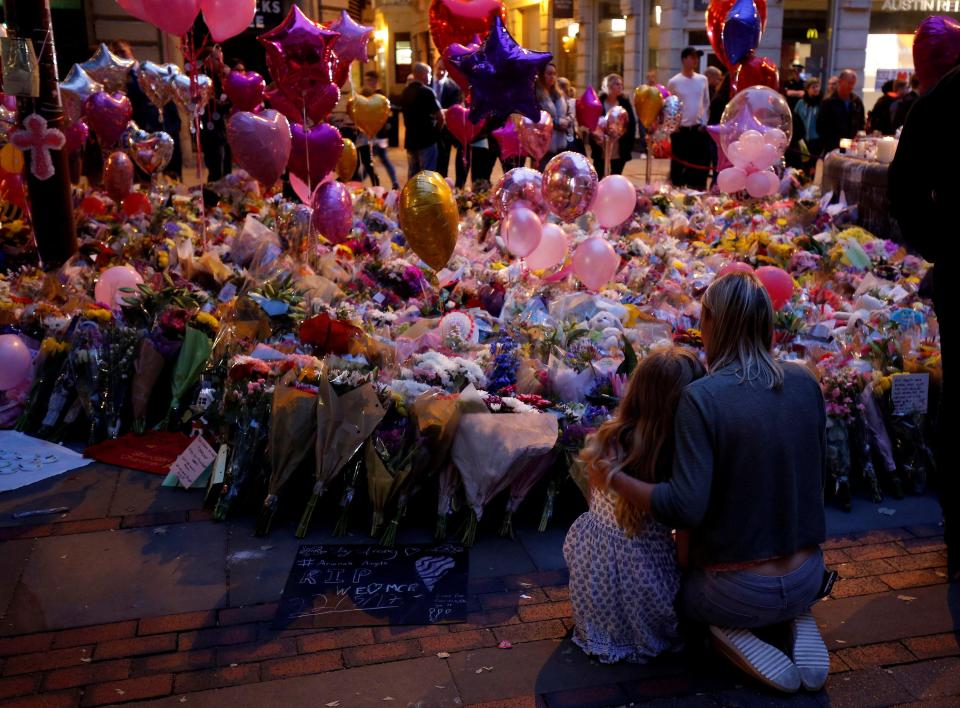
180	658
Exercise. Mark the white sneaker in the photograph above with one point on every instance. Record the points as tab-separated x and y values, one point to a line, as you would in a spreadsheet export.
809	652
763	661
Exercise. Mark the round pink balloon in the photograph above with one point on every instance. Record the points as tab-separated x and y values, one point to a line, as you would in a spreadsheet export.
133	7
522	231
15	361
260	143
762	184
595	262
615	201
227	18
735	267
173	16
552	249
108	288
332	211
731	180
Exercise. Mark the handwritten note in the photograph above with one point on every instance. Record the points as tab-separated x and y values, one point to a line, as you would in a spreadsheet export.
910	393
359	585
193	461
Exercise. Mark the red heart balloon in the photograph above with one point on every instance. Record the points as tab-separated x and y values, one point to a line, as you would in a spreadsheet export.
323	144
459	20
457	119
244	89
756	71
458	50
717	12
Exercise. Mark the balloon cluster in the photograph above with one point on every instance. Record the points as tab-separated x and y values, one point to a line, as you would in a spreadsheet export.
776	281
660	112
734	28
567	189
752	136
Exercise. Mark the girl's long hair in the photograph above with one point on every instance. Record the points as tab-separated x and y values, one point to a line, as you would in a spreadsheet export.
639	438
553	92
741	332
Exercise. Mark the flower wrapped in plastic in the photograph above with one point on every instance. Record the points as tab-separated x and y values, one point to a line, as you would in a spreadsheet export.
193	356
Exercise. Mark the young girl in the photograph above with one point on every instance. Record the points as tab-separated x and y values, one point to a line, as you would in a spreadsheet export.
623	564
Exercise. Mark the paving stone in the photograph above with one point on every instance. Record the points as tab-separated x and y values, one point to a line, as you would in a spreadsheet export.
882	617
865	689
590	697
873	655
417	682
86	492
545	549
140	493
946	644
495	557
13	559
936	678
96	578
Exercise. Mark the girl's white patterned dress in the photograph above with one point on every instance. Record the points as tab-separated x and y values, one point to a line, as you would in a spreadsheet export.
622	589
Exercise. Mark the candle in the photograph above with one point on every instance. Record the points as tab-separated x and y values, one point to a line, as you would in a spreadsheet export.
845	144
886	149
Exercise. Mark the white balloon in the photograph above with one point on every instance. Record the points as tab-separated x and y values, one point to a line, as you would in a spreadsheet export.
731	180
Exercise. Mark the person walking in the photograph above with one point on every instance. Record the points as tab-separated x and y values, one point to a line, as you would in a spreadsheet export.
423	119
923	182
880	117
555	104
841	115
621	150
806	112
690	144
901	107
569	94
379	144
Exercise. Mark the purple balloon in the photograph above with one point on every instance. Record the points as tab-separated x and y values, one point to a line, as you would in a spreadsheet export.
741	30
260	143
244	89
314	154
108	116
76	135
936	49
332	211
502	75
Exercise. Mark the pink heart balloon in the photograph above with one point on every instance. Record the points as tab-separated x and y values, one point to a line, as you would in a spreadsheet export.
108	116
76	135
332	211
508	140
244	89
589	109
319	149
321	101
458	50
458	122
260	144
535	137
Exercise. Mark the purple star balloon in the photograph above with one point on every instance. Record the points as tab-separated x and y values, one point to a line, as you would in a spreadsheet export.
300	53
502	76
352	43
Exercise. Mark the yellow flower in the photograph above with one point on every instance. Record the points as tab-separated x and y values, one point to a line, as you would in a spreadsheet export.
51	345
98	314
207	320
163	260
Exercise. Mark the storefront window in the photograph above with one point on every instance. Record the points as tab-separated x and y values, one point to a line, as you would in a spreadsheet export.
565	41
611	31
805	37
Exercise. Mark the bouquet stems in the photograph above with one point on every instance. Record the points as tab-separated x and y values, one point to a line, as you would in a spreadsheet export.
307	515
506	528
265	517
548	505
390	533
343	523
470	528
440	532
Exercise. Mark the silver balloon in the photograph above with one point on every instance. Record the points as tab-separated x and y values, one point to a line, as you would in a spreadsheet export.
671	114
523	185
76	88
182	90
569	185
617	122
153	81
109	69
150	151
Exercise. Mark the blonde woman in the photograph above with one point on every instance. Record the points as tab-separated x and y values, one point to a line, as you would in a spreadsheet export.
612	95
623	565
747	481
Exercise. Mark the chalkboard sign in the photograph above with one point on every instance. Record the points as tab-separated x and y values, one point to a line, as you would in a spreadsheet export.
334	585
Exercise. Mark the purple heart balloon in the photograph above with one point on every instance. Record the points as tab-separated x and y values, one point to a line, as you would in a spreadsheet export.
244	89
108	115
332	211
323	144
260	144
76	134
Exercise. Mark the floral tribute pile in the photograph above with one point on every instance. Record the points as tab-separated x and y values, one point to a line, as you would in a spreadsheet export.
356	370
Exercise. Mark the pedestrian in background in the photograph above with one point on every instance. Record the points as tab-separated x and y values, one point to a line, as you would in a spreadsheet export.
690	144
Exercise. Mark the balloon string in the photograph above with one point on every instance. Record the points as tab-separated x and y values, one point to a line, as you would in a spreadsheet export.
191	53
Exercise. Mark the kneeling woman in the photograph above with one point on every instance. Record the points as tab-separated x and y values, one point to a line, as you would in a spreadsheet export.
748	476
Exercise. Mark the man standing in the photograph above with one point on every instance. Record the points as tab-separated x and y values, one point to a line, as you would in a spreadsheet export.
792	88
923	182
690	145
448	94
423	119
841	115
902	105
